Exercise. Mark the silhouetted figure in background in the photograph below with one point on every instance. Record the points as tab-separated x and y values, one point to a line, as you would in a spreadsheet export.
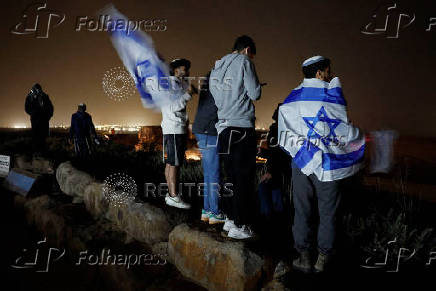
40	109
82	132
278	169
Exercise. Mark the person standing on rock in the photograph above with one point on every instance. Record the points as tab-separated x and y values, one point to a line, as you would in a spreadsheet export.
326	148
234	86
82	132
206	134
40	109
174	128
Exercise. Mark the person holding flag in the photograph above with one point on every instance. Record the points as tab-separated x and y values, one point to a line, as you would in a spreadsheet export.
326	148
174	128
159	89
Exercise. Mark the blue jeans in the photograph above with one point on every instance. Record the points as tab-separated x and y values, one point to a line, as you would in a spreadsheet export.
211	171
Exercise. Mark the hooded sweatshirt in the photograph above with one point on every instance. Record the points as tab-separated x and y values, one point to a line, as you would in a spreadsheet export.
234	85
174	115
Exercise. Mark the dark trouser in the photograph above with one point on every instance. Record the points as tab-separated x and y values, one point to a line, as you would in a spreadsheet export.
40	131
270	198
308	191
238	148
82	147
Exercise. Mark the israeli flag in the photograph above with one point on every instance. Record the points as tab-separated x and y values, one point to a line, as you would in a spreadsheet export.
137	52
314	129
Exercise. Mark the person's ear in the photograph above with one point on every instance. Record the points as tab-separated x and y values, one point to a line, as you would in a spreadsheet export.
319	74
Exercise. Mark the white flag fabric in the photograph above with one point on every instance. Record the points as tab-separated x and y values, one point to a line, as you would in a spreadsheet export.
314	129
136	50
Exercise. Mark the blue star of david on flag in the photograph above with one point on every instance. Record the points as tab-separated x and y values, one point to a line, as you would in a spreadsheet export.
322	116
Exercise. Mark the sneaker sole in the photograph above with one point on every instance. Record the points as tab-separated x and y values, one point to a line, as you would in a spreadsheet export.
215	221
205	219
174	204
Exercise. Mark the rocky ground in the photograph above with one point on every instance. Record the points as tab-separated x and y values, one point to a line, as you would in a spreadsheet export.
68	210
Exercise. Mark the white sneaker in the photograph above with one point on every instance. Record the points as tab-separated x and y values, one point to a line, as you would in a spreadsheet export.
228	224
215	219
242	232
176	202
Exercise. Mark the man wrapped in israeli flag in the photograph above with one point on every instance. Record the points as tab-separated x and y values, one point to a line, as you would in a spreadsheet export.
136	50
314	129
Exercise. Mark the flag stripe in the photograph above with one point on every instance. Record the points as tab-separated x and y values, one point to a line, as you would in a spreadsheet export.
335	161
333	95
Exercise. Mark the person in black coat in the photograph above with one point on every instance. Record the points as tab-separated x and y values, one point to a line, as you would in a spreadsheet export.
82	132
278	170
40	109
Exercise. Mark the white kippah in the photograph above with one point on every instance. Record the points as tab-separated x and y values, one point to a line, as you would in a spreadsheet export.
312	60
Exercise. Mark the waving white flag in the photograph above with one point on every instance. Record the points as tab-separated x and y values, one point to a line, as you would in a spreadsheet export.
136	50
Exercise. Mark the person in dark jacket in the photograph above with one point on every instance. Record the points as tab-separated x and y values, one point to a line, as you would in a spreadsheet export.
277	171
40	109
206	134
82	132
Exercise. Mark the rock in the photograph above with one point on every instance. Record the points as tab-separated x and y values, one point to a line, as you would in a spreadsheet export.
161	249
213	264
94	200
42	166
71	181
282	268
40	213
142	221
22	162
275	286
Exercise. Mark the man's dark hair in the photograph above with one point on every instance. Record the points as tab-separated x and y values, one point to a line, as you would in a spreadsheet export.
81	107
310	71
178	63
36	89
244	41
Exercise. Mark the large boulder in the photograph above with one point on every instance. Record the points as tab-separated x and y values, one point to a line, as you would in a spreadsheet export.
142	221
215	265
94	200
42	213
72	181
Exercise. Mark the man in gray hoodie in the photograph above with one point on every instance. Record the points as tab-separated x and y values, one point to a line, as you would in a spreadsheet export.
234	86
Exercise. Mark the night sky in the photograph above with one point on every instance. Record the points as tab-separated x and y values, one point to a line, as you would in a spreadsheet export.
388	82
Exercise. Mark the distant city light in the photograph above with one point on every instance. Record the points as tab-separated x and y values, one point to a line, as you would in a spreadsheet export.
19	126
